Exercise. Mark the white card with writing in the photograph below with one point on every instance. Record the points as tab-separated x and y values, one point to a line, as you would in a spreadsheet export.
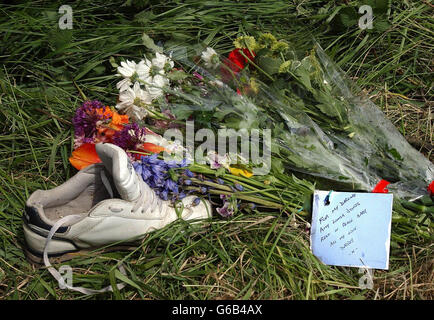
352	229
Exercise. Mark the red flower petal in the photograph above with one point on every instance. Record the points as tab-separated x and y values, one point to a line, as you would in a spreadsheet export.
431	188
381	187
239	60
84	156
150	147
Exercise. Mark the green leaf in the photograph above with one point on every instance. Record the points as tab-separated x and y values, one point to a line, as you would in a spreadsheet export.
277	166
220	172
334	13
48	287
395	154
181	112
86	68
327	109
303	74
112	277
125	279
177	75
349	17
173	175
381	24
113	62
149	43
269	65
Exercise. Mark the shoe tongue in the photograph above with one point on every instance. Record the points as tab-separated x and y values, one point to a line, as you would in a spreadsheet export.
116	162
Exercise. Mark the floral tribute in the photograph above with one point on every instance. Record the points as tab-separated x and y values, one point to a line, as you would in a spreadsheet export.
317	127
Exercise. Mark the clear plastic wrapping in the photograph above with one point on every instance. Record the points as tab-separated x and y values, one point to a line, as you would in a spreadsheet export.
322	127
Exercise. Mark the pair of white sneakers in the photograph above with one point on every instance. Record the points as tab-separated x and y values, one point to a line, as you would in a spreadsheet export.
102	204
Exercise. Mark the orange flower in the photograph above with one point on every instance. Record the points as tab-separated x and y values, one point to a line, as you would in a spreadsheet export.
150	147
147	147
105	134
107	112
118	121
84	156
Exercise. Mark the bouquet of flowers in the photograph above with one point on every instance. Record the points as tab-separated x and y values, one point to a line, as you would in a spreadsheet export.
295	107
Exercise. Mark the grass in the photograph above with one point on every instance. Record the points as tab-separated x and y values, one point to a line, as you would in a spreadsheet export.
264	256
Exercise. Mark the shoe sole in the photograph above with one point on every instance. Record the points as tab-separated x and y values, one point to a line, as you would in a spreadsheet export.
36	259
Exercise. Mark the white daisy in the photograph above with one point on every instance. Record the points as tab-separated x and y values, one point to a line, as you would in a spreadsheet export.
210	58
134	102
162	62
155	85
124	84
156	80
131	72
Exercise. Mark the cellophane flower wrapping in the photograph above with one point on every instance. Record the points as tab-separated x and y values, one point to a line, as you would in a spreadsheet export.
322	126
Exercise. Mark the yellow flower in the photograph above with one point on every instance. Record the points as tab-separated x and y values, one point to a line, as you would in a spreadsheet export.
279	46
247	42
240	172
285	67
266	40
254	85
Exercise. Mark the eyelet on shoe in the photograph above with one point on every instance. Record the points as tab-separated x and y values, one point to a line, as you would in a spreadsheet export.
116	209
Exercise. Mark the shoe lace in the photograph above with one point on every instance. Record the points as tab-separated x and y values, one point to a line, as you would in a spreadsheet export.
71	219
147	199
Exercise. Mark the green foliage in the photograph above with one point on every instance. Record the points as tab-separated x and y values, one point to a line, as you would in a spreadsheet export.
253	256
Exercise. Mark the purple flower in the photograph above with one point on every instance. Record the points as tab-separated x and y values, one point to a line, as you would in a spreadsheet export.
188	173
86	119
203	190
226	210
224	197
130	137
171	185
145	173
164	194
196	201
238	187
155	173
172	164
152	159
197	75
138	168
217	161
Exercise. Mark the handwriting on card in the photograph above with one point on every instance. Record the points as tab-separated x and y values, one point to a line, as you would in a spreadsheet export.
351	229
349	210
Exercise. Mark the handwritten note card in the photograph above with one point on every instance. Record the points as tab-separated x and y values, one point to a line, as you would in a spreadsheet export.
352	229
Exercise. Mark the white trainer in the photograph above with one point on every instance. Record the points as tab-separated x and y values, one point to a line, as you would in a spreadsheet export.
102	204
